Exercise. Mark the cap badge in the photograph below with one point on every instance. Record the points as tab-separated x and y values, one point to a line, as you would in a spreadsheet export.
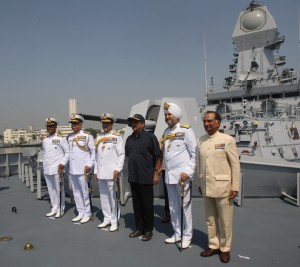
166	106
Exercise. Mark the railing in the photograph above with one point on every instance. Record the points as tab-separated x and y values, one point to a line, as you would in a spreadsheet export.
30	171
23	162
10	162
296	200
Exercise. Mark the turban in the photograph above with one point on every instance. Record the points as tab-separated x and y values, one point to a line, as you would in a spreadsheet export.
173	109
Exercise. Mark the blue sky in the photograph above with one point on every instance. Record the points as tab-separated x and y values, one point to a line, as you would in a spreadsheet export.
112	54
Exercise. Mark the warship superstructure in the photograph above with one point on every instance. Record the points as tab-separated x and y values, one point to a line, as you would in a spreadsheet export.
260	106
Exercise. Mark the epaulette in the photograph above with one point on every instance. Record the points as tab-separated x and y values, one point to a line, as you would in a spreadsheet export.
59	135
87	132
187	126
116	133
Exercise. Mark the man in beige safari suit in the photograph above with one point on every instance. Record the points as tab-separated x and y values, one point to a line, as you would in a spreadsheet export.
219	178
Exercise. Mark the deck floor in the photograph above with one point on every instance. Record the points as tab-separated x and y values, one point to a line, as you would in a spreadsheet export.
267	231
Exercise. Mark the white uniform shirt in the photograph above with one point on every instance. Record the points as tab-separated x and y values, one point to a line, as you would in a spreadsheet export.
179	152
55	152
82	152
109	154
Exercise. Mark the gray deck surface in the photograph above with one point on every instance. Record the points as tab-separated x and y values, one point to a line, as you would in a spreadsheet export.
265	230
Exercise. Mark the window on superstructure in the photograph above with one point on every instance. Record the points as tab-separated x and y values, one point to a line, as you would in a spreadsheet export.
264	96
277	95
237	99
292	94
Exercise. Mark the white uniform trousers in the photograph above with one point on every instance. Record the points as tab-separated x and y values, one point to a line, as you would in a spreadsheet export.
52	182
175	211
108	201
219	212
81	195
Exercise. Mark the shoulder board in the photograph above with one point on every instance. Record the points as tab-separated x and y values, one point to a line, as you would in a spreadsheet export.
116	132
59	135
187	126
86	132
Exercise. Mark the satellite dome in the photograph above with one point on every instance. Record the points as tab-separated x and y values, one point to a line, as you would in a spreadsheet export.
253	20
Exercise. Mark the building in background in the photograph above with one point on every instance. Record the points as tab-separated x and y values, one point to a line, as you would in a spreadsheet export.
25	136
31	135
73	104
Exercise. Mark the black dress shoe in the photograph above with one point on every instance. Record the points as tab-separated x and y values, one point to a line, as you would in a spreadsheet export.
225	256
135	234
166	220
147	236
209	252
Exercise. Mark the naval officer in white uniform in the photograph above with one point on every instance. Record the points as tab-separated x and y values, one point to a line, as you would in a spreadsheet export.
82	158
55	157
108	166
179	155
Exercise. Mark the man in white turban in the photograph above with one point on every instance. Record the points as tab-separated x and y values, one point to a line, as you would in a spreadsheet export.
179	156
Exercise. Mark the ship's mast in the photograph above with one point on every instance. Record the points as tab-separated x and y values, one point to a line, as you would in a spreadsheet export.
299	45
206	89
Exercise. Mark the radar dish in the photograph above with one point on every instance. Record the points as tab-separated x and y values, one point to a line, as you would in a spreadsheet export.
253	20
